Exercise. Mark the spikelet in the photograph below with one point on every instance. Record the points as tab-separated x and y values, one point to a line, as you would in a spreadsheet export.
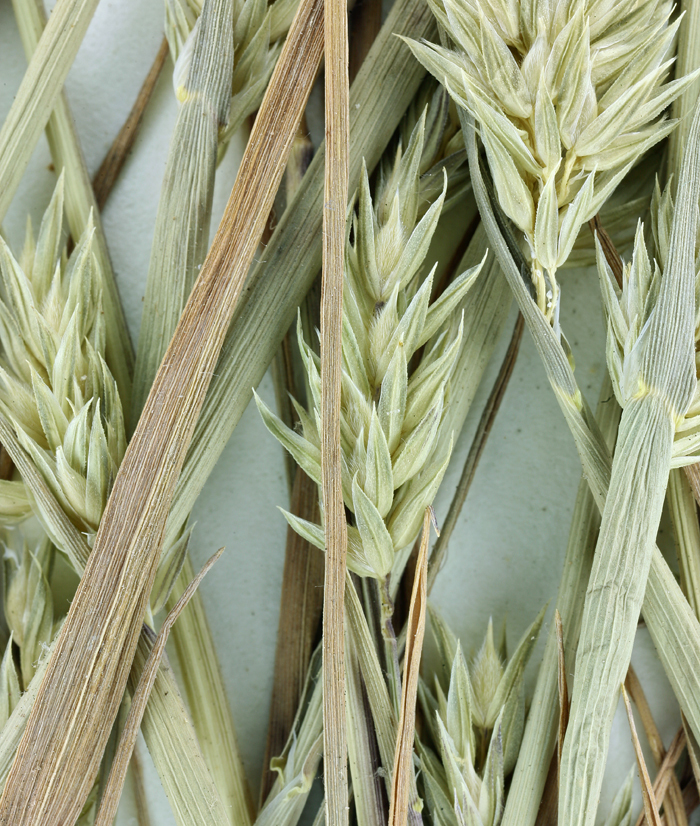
568	95
628	312
391	410
54	383
475	717
55	386
28	604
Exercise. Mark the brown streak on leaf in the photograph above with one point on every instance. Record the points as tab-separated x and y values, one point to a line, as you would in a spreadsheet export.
612	256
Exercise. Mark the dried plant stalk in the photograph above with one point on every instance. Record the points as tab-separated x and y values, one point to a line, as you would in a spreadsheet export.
80	202
483	429
117	774
335	198
172	743
403	759
59	755
673	802
137	782
384	87
651	810
106	176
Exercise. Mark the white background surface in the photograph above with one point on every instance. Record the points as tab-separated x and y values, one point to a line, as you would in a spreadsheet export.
506	554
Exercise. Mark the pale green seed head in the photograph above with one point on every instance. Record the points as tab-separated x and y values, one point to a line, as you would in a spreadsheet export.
567	96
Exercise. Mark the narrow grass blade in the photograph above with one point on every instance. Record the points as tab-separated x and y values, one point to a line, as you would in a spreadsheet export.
172	744
208	702
673	801
81	691
684	516
181	235
563	687
39	91
367	792
110	800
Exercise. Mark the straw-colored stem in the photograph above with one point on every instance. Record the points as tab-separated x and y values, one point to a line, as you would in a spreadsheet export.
80	202
673	802
106	176
117	775
402	774
172	742
335	200
60	752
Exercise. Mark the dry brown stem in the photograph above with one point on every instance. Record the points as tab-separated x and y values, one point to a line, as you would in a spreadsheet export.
114	160
674	809
59	754
651	810
488	417
117	774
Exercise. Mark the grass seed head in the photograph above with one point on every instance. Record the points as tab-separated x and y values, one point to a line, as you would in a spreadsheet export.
568	96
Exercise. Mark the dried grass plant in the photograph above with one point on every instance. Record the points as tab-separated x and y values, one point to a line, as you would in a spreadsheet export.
552	134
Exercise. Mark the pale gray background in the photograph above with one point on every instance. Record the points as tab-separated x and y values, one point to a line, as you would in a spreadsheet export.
506	554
